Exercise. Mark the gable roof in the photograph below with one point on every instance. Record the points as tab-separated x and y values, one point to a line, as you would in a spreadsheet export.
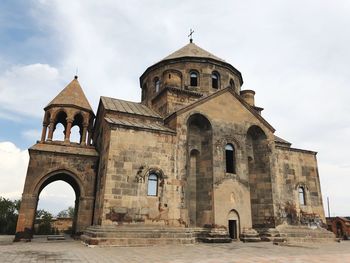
216	94
71	95
139	124
128	107
192	50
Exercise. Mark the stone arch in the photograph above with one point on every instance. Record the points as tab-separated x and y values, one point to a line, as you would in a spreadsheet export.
258	154
71	179
31	195
234	227
199	188
79	120
60	117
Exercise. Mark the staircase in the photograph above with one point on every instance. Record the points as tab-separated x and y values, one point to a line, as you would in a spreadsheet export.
137	236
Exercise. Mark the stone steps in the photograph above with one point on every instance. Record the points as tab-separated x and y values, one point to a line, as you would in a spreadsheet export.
306	234
136	236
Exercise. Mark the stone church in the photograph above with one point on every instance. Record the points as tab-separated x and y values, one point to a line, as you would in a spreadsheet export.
194	160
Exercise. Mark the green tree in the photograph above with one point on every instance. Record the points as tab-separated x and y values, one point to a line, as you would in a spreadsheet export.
44	219
67	213
8	215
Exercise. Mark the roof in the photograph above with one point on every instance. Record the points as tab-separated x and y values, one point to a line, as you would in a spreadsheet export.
138	124
128	107
215	94
72	94
192	50
280	140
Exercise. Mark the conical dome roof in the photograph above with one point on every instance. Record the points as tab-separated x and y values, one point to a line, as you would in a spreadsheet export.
71	95
192	50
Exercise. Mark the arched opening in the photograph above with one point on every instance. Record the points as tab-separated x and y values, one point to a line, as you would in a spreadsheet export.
199	187
259	177
144	92
193	79
215	80
232	84
233	224
68	188
230	158
60	126
152	185
301	192
55	209
77	129
156	84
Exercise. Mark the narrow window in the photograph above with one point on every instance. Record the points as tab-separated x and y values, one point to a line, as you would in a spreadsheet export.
215	80
230	158
152	189
194	79
232	83
144	92
157	84
301	196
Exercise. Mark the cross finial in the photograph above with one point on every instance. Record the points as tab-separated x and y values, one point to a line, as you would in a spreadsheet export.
190	35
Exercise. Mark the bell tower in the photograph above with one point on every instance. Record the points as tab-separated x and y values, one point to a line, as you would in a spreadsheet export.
70	108
72	162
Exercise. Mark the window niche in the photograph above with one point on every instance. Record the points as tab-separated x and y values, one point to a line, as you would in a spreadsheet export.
301	193
156	84
230	158
152	185
193	79
215	79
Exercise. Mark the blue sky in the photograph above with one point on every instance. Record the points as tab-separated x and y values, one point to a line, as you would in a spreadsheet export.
294	54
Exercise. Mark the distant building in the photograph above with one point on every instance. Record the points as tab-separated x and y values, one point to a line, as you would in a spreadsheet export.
340	226
195	157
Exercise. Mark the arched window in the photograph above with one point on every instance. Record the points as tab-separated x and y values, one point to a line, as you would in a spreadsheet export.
152	189
144	92
194	79
301	195
230	158
156	84
232	84
215	80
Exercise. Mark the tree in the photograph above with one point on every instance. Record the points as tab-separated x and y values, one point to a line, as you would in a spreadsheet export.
44	219
8	215
67	213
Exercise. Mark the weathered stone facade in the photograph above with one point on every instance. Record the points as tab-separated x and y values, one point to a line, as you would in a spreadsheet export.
194	154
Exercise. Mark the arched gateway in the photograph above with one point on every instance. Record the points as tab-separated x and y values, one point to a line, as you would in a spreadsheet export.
50	160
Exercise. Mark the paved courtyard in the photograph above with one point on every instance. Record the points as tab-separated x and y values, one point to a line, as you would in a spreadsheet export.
73	251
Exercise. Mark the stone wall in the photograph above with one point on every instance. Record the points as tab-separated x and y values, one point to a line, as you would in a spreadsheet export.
297	168
132	156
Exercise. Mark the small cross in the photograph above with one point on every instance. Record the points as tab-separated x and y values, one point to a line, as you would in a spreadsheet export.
190	35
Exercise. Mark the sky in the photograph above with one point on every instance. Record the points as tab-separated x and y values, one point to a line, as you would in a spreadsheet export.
294	54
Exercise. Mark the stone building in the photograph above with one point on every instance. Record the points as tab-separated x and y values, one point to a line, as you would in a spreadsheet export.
195	159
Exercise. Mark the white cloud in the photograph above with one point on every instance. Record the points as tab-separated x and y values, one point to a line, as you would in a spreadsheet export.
13	168
27	89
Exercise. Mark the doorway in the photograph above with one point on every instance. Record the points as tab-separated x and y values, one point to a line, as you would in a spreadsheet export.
232	228
233	224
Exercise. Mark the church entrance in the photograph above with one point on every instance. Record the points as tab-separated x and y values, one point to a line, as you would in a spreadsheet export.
233	224
232	228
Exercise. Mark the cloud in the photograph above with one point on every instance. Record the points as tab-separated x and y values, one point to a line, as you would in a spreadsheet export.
14	162
26	89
